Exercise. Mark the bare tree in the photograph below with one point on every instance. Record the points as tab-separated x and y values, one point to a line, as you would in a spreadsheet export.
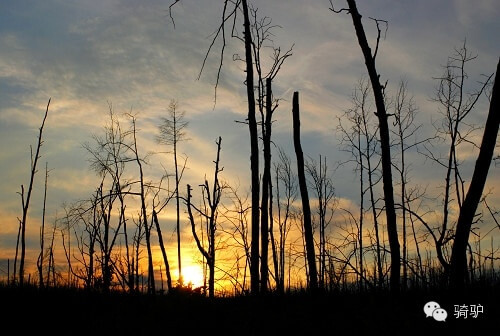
85	218
65	228
142	194
406	139
172	131
117	154
51	269
25	199
235	216
229	12
262	31
306	208
108	159
254	150
455	105
41	256
385	145
473	196
156	210
360	140
322	185
286	194
163	252
212	197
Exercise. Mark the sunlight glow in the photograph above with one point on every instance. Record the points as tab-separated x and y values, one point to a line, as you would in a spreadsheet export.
192	274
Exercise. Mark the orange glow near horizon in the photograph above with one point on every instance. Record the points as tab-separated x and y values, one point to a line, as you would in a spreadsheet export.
192	275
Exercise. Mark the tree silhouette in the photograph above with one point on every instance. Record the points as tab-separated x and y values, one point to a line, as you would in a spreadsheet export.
322	185
285	178
455	104
385	144
109	157
262	32
25	199
156	209
306	208
172	131
41	256
229	13
212	197
405	133
360	140
142	194
468	209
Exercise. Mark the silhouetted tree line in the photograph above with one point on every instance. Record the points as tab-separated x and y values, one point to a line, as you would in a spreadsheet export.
274	241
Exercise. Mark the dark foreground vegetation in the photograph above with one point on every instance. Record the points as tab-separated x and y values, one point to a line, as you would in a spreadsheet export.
66	311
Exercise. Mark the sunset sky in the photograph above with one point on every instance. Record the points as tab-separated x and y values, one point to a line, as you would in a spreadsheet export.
85	55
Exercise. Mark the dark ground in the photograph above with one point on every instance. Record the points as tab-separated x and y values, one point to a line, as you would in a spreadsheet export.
72	312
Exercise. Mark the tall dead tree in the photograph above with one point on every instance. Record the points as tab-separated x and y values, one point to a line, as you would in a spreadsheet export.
322	185
142	195
106	239
254	150
406	137
306	208
41	255
360	140
163	251
112	153
385	144
25	199
458	260
229	14
262	33
286	178
455	104
156	210
51	269
212	197
266	188
172	131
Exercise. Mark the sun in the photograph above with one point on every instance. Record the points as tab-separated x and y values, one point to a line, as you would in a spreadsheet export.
192	274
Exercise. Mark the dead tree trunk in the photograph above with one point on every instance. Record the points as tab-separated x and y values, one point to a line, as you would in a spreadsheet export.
458	269
163	252
144	217
172	131
254	153
266	182
40	260
306	208
381	113
26	201
212	198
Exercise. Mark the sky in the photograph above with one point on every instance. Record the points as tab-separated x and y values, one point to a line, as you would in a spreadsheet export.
86	55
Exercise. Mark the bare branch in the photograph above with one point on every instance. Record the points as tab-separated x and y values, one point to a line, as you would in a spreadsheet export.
347	10
378	33
170	11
